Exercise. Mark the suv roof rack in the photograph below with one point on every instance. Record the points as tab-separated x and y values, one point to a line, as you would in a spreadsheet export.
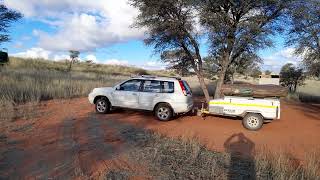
176	77
150	76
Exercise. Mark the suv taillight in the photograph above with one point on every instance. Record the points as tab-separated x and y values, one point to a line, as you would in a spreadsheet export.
184	91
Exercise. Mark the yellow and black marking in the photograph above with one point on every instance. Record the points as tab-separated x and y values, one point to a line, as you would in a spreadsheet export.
242	104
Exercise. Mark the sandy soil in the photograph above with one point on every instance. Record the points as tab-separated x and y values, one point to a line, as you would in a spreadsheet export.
70	141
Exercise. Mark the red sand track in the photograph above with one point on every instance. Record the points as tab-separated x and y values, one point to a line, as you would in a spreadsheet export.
70	141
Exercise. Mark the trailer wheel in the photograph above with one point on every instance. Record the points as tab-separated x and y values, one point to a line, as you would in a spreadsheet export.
252	121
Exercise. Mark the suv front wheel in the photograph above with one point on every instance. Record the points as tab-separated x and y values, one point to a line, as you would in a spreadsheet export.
163	112
102	106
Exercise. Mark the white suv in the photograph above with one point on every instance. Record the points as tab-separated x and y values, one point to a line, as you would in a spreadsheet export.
165	96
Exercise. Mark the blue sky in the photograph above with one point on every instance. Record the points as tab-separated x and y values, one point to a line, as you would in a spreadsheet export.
101	31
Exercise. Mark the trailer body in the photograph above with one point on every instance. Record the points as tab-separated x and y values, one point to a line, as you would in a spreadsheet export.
240	106
254	111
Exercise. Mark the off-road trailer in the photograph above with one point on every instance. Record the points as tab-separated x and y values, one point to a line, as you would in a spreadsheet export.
253	111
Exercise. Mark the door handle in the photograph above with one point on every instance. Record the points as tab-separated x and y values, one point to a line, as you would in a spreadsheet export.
134	94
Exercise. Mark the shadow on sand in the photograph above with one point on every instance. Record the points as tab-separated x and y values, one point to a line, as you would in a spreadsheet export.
241	149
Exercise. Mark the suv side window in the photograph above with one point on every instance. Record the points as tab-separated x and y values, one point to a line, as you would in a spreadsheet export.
167	87
151	86
131	85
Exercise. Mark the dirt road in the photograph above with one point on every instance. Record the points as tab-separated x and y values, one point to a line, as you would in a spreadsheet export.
70	141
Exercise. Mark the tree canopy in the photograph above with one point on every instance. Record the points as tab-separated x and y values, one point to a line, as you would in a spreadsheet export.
267	72
291	76
7	16
171	25
304	33
237	28
178	61
74	55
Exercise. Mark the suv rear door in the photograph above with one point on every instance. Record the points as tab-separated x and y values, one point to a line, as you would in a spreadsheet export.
151	90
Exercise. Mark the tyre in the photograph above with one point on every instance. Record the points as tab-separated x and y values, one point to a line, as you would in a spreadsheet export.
103	106
163	112
253	121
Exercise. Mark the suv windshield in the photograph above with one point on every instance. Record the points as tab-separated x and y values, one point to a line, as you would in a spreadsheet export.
131	85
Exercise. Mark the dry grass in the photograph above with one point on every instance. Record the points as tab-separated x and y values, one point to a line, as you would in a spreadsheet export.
168	158
22	86
34	80
9	114
310	92
42	64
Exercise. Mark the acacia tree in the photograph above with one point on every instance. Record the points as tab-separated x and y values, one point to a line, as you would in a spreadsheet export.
267	72
304	34
255	72
74	55
291	76
178	61
244	65
7	16
249	65
238	27
170	25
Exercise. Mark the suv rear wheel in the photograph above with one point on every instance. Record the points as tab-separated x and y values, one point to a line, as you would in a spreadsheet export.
102	106
163	112
252	121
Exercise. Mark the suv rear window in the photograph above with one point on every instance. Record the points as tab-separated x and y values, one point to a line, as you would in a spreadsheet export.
167	87
156	86
152	86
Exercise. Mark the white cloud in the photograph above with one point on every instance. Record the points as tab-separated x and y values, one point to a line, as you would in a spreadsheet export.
59	57
117	62
275	61
154	65
80	25
91	57
34	53
48	8
287	53
37	52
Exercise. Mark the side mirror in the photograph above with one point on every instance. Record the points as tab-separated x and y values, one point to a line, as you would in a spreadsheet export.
117	88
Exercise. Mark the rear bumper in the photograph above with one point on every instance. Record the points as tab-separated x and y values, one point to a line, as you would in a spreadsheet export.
182	107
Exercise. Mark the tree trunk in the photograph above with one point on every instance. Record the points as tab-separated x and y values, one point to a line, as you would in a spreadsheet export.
203	86
295	86
232	78
220	82
70	65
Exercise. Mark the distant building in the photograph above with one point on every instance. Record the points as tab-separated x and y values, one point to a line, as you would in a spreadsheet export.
269	79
